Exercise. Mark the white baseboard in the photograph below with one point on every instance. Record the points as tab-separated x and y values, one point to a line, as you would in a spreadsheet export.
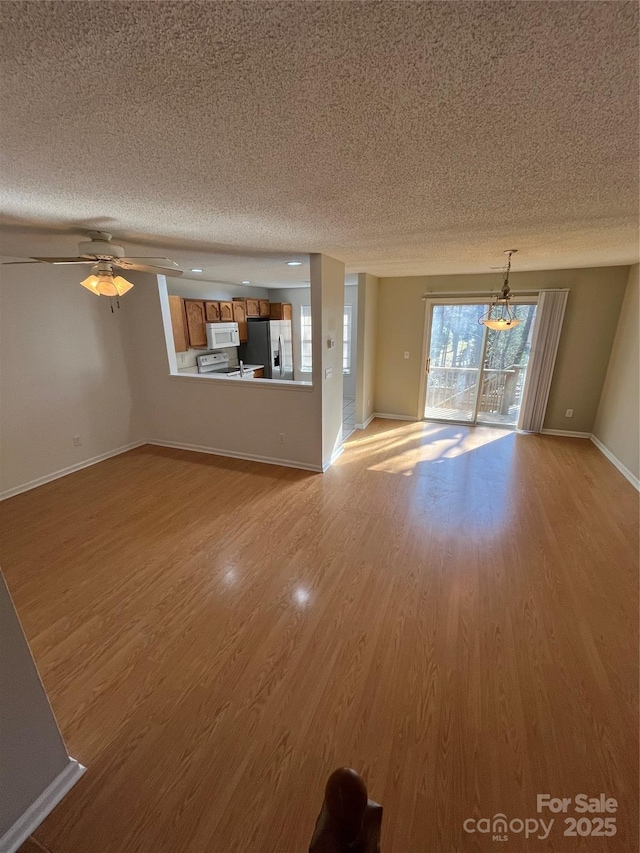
55	475
249	457
393	417
328	464
635	482
40	808
566	432
366	423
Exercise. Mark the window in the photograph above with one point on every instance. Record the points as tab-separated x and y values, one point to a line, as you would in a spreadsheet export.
305	334
346	338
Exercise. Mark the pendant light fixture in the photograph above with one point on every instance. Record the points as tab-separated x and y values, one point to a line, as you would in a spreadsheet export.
501	316
103	282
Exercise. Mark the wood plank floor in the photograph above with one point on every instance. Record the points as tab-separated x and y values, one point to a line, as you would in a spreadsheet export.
452	611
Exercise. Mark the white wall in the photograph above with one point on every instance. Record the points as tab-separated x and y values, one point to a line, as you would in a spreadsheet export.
327	303
62	373
214	290
32	751
351	298
232	417
617	421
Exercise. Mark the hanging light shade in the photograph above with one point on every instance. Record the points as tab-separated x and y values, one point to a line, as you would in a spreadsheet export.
501	316
103	282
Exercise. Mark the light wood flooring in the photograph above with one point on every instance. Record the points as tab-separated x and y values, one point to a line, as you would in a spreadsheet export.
452	611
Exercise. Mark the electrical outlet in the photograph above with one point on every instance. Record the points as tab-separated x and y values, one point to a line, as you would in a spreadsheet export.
77	441
281	437
568	413
406	354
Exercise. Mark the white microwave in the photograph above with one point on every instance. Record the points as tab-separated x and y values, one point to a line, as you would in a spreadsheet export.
221	335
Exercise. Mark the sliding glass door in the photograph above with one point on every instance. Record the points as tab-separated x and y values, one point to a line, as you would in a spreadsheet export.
475	374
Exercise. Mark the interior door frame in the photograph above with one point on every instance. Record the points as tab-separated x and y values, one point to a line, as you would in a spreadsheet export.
430	303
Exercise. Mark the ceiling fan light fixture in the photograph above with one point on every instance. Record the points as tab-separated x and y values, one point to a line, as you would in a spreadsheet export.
91	283
104	283
122	285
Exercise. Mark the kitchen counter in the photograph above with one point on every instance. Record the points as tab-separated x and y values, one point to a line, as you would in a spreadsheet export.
193	371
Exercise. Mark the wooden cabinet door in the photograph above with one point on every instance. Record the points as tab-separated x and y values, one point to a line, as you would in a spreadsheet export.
226	312
280	310
212	312
194	310
178	323
253	308
240	317
263	307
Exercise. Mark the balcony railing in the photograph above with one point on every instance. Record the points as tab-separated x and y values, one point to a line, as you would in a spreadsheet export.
455	388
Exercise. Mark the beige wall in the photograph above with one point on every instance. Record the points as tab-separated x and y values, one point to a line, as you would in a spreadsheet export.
327	303
63	373
366	346
32	751
618	415
589	327
221	415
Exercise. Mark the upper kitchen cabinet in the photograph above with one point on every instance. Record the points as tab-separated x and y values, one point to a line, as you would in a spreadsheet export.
240	317
196	319
212	312
252	306
226	312
263	308
280	310
178	323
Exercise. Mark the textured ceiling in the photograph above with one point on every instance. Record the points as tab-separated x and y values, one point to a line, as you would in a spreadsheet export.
402	138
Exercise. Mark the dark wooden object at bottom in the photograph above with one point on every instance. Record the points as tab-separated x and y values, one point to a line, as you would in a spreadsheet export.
349	821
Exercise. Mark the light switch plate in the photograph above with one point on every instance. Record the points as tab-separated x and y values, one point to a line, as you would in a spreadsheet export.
328	372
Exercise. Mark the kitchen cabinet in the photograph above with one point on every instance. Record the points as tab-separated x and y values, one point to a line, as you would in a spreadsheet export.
253	307
178	323
240	317
263	307
212	312
196	319
226	312
280	310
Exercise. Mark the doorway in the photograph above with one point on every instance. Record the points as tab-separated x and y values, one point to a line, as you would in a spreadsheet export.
476	375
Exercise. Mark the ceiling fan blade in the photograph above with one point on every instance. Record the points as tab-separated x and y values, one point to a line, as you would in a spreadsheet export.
12	263
154	262
66	260
156	269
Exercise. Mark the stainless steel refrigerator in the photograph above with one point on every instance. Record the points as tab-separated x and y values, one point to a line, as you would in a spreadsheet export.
269	343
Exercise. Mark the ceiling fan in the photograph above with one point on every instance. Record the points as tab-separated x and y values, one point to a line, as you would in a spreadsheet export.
104	256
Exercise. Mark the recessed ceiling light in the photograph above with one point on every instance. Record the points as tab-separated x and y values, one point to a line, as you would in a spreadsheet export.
196	270
294	263
246	282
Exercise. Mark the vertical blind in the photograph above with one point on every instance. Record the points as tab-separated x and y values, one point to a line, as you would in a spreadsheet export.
346	340
544	348
306	362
